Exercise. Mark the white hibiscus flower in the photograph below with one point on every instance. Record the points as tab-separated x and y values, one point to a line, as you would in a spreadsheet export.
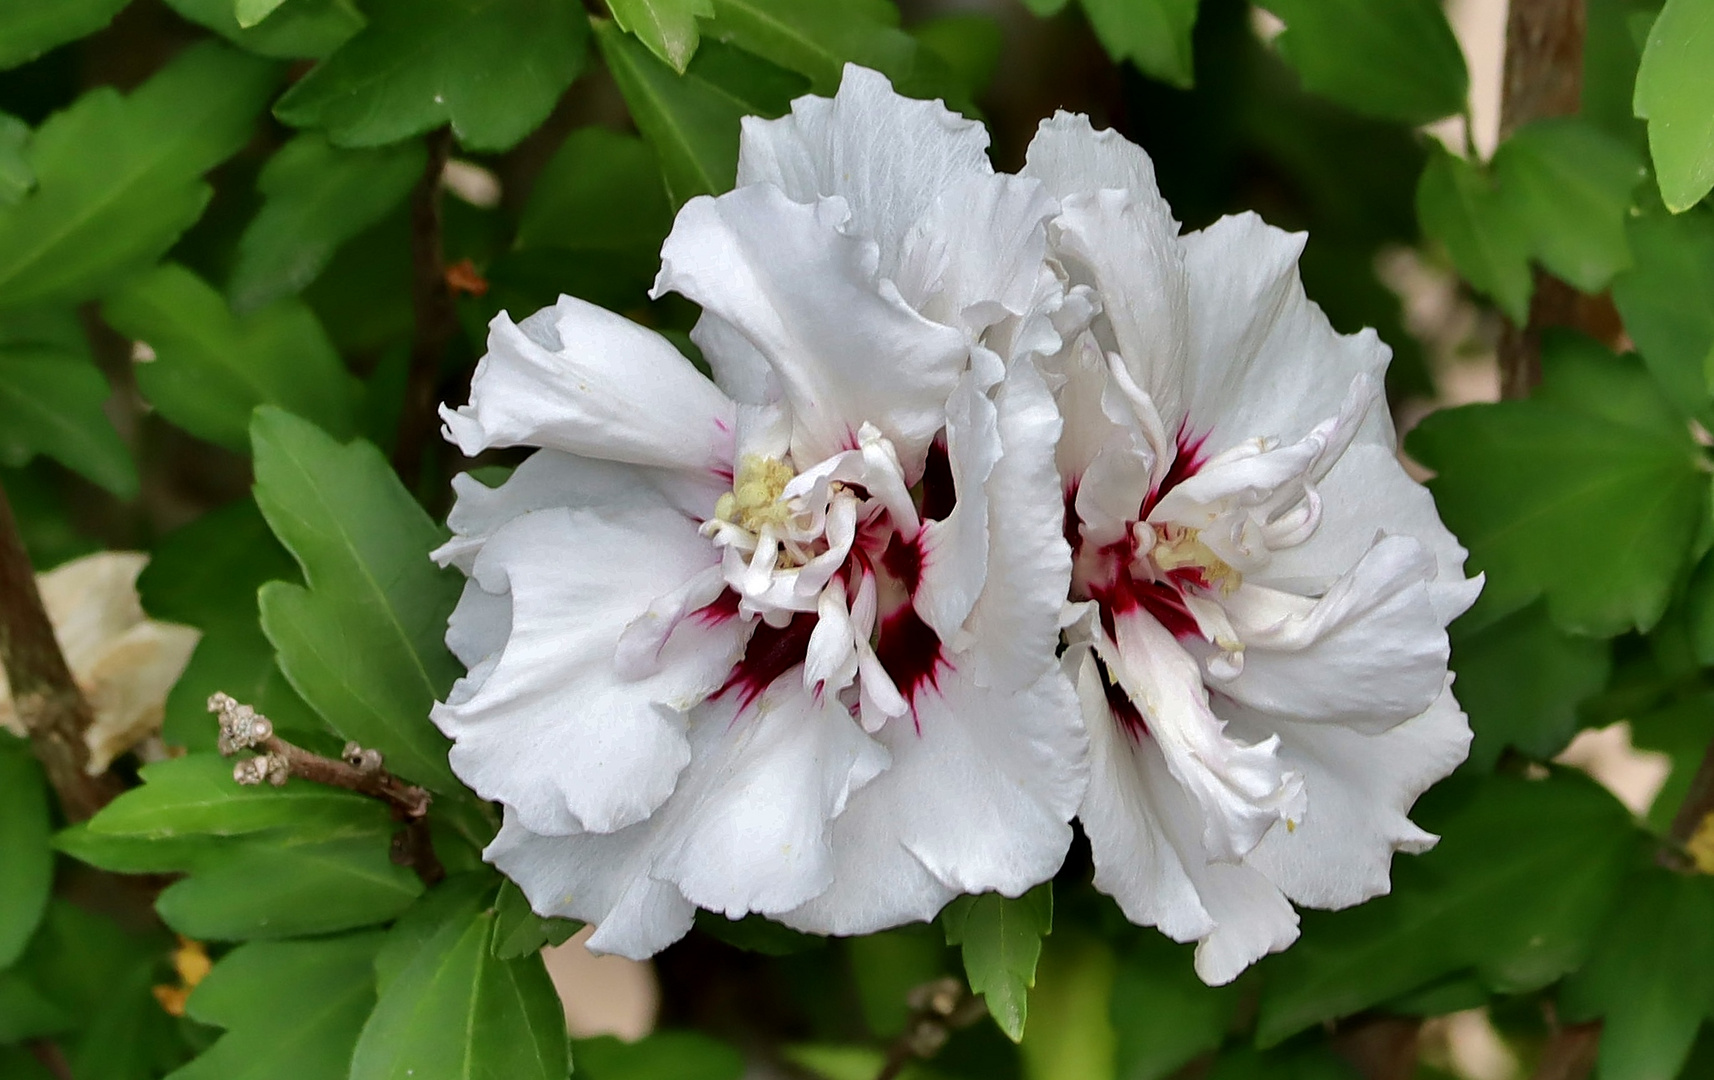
1261	653
783	641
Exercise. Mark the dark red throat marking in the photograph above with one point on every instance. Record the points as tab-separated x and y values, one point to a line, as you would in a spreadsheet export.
1125	712
770	654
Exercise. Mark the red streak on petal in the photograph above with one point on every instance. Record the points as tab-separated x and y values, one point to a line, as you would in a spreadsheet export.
1185	463
1125	712
717	611
911	652
770	654
903	560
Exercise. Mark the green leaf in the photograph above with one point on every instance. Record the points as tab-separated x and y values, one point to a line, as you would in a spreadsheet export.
267	889
667	27
316	197
600	192
520	932
1486	237
1517	887
210	368
1072	1037
1392	59
363	643
17	178
1651	977
1153	34
119	178
681	1055
1520	680
27	29
1163	1015
298	29
691	120
51	403
1571	462
969	44
25	1013
1675	93
456	900
291	1009
1570	184
757	934
24	850
887	966
457	1012
493	69
139	854
251	12
816	40
196	795
1001	942
1667	301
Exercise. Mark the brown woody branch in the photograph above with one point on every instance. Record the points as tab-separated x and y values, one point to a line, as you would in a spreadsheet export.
276	761
47	698
938	1009
436	316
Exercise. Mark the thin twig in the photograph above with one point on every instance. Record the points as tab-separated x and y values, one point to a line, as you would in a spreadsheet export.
1570	1052
44	693
436	316
51	1057
938	1009
276	761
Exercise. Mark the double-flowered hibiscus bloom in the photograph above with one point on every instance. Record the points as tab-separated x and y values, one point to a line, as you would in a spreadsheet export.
1005	503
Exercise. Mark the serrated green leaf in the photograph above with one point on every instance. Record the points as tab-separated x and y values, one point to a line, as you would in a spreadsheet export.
1570	185
519	931
1520	680
17	178
1571	462
667	27
298	29
291	1009
1667	301
251	12
1517	887
316	197
263	888
51	403
210	368
363	642
27	30
24	850
1001	942
1153	34
1651	977
492	69
1460	207
119	178
682	1055
692	120
1675	93
457	1012
1392	59
196	795
1163	1015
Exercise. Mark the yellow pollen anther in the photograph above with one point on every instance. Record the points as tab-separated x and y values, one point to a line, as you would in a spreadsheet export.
754	500
1177	548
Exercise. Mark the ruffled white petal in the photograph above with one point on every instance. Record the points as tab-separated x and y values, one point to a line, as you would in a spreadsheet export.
888	156
1071	158
578	378
553	728
975	256
846	349
955	549
739	370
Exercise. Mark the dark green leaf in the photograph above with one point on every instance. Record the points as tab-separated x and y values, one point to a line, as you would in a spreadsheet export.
757	934
251	12
25	1013
456	900
682	1055
1570	184
1523	874
17	178
24	850
969	44
519	931
51	403
119	178
309	29
1651	977
363	642
317	196
691	120
457	1012
1667	301
139	854
1484	234
1682	731
816	40
1153	34
196	794
667	27
1162	1013
28	29
1571	462
1520	680
1394	59
1001	942
491	68
291	1009
266	889
1675	93
887	966
210	369
600	192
